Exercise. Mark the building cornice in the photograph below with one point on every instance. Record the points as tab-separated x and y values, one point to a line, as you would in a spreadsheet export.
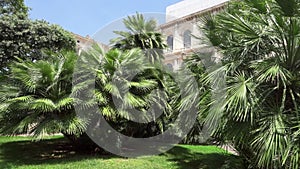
194	15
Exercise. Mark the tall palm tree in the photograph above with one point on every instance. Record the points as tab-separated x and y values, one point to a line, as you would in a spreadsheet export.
260	112
141	34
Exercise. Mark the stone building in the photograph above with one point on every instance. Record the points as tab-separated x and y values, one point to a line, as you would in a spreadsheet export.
182	20
82	42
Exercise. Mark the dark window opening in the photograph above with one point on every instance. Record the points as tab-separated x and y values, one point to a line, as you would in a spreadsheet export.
170	66
170	42
187	39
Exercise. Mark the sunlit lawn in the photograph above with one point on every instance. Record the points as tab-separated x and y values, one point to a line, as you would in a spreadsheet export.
56	153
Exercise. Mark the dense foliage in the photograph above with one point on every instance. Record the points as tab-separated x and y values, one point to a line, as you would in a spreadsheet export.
24	38
40	96
13	7
127	87
259	108
37	97
141	34
260	67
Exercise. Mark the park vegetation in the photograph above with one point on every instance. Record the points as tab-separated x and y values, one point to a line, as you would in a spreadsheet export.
257	108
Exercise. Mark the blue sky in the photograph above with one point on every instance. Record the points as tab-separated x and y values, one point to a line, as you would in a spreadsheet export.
86	17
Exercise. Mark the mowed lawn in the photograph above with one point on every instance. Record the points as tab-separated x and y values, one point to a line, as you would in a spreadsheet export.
57	153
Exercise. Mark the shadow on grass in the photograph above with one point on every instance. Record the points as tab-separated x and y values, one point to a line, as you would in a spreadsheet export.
187	159
51	151
14	153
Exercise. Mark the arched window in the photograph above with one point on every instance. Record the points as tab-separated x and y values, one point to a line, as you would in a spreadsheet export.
187	39
170	42
170	66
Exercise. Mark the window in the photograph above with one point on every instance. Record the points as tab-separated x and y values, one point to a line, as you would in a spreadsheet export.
170	42
187	39
182	64
170	66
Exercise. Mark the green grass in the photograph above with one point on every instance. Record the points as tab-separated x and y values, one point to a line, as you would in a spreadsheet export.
56	153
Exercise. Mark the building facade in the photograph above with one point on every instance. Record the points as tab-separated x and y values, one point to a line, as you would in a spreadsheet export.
82	42
181	27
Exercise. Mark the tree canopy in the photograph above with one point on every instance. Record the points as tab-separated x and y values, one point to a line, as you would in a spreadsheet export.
24	38
141	34
13	7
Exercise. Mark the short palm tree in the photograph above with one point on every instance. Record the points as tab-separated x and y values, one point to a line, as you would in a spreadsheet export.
125	82
37	98
41	97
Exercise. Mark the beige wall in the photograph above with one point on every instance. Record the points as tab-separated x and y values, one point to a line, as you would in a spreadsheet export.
82	42
183	16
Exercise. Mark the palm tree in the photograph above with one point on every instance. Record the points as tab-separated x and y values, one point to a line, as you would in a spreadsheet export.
41	97
141	34
125	82
260	112
195	63
37	98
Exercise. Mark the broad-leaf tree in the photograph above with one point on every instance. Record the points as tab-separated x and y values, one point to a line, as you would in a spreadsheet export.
25	38
13	7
